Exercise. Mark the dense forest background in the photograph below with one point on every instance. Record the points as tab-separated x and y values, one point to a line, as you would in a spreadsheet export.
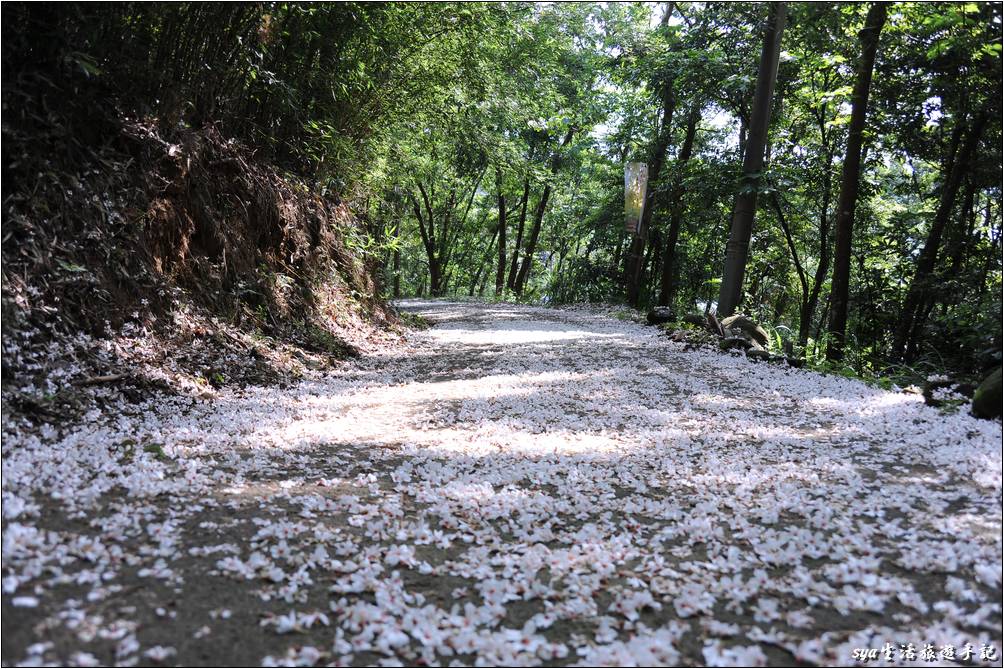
845	158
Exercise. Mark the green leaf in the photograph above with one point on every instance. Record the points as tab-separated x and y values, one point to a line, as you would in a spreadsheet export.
70	267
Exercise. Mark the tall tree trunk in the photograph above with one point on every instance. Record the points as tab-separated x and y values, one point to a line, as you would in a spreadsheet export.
824	317
531	244
789	238
656	159
500	272
638	255
653	266
993	252
808	306
849	178
443	254
538	216
523	206
483	264
435	278
911	315
397	261
920	287
959	248
427	230
915	306
737	248
450	240
743	133
559	281
667	281
963	235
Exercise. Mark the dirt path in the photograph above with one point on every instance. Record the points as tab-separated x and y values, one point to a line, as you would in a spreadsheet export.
517	486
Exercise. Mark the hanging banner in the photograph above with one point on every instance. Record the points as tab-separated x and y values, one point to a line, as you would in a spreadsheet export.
635	182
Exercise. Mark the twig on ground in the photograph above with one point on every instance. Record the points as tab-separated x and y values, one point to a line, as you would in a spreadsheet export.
107	378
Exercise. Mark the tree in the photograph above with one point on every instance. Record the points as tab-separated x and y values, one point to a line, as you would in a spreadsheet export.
538	215
546	221
737	248
966	52
667	285
656	158
500	272
849	178
444	185
920	287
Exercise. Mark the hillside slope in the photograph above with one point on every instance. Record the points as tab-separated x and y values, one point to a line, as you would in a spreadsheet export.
172	258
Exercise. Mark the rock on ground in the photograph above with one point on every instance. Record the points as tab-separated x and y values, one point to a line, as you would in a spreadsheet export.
987	400
748	327
514	486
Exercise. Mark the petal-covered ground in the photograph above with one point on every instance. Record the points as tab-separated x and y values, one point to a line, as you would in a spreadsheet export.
515	486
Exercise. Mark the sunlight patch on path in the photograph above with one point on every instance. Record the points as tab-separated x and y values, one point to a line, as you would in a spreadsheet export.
516	486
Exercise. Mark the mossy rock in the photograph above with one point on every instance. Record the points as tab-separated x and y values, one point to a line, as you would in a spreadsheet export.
748	327
414	321
695	320
660	315
988	398
735	343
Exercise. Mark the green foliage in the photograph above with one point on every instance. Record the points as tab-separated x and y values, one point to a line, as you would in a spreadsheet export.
378	102
414	321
